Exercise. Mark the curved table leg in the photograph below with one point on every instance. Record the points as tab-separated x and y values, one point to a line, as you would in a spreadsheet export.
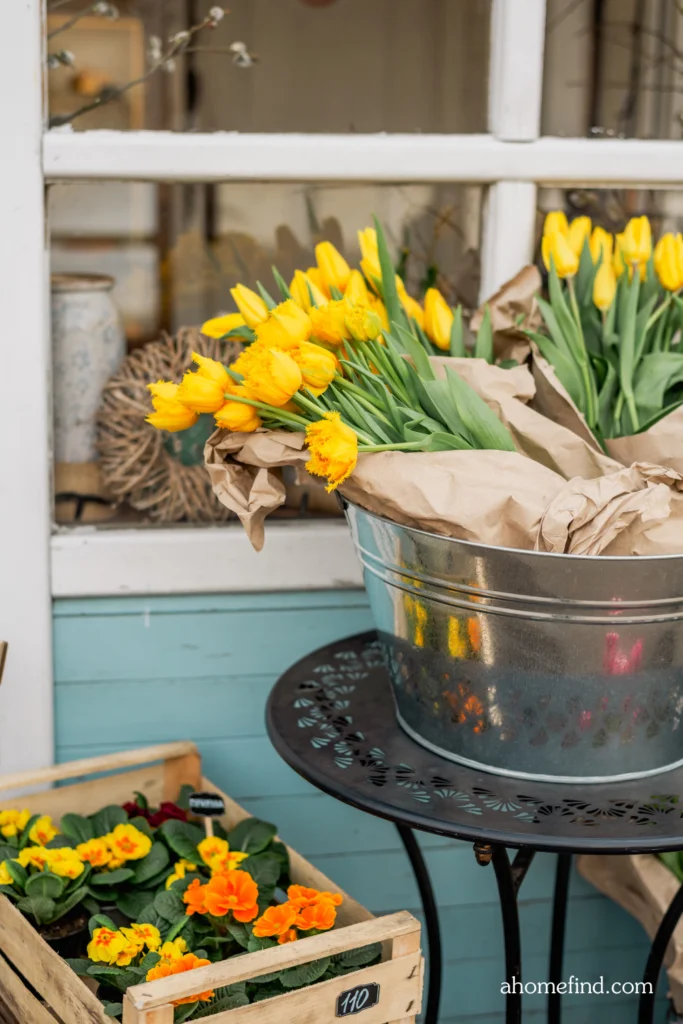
562	872
646	1006
431	921
513	946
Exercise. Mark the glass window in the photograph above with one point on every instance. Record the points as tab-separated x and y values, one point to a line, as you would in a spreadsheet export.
135	263
285	66
614	68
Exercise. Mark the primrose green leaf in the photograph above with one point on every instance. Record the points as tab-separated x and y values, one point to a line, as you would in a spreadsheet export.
107	819
78	828
306	974
44	883
251	835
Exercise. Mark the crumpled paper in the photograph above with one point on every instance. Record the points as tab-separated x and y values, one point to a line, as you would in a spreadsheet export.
634	511
517	297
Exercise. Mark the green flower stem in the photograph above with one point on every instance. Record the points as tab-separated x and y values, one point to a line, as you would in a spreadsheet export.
656	315
309	404
584	365
270	409
363	398
400	446
618	409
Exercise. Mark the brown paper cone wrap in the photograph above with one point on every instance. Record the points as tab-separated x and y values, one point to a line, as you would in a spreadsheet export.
517	297
645	887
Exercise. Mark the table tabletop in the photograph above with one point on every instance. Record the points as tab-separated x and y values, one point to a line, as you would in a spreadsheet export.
331	717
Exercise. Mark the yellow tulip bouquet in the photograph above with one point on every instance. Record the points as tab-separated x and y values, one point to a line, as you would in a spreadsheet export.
329	359
613	322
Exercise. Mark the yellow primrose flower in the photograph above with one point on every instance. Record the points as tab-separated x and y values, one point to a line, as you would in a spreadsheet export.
302	288
106	945
201	393
578	233
173	950
329	322
169	414
669	261
237	416
636	241
557	248
213	850
370	265
43	831
212	370
5	877
318	366
128	843
438	319
182	866
219	326
33	856
273	378
65	862
287	325
363	324
144	935
251	306
604	286
554	221
356	290
334	449
233	859
333	267
601	245
96	852
13	822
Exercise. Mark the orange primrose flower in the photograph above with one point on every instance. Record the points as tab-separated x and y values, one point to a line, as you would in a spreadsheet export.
291	935
321	916
275	921
234	892
194	897
301	896
188	962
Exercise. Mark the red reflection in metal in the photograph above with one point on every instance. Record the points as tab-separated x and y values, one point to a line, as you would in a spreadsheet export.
618	662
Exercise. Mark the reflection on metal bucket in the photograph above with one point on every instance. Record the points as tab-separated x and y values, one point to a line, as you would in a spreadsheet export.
529	664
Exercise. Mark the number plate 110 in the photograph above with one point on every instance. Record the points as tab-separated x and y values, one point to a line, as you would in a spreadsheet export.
356	999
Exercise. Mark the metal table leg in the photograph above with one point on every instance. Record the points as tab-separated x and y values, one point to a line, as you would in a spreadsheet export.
562	872
431	922
646	1006
507	891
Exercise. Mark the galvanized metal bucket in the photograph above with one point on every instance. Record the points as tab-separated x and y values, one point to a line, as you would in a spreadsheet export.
540	666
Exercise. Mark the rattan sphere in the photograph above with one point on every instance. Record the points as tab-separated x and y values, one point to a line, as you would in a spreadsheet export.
136	464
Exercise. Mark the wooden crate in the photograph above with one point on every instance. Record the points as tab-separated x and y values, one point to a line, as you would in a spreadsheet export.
36	985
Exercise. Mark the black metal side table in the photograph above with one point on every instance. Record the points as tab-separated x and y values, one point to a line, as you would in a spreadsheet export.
331	717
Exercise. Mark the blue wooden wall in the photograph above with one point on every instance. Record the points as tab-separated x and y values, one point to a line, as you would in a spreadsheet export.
135	671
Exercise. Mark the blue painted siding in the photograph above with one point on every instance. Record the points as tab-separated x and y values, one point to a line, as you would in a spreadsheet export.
134	671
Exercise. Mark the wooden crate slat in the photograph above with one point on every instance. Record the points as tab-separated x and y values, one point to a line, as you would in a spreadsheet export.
17	1000
89	797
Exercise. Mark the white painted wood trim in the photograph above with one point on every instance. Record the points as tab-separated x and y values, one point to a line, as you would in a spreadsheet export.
296	556
516	69
225	156
508	237
26	724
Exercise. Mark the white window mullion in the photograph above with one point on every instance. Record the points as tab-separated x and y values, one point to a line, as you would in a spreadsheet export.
26	729
516	89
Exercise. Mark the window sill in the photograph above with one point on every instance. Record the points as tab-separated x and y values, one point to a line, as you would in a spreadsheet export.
314	555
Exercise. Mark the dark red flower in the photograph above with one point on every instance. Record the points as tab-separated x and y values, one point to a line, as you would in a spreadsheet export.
167	811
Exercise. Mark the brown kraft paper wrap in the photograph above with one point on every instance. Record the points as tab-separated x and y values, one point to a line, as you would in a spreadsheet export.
517	297
645	887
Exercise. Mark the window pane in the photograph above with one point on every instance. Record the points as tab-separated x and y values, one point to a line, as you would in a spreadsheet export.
305	65
173	252
613	68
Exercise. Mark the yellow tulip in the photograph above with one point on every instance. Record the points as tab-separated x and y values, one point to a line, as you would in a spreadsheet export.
318	366
579	231
329	322
669	261
219	326
273	378
305	291
378	306
369	263
636	241
357	290
618	257
240	418
556	221
212	370
251	306
363	324
169	414
333	267
200	393
438	319
557	248
333	448
287	325
601	245
604	286
412	307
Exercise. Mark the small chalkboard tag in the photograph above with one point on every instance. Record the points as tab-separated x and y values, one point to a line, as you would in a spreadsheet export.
354	1000
207	805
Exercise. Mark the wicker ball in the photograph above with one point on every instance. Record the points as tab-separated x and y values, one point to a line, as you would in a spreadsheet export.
137	462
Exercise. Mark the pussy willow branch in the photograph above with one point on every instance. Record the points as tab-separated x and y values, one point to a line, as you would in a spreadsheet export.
175	48
73	20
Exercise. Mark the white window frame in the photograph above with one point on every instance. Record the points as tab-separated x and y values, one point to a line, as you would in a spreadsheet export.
36	563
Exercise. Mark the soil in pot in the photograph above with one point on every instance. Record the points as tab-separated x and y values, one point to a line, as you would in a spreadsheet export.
69	935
